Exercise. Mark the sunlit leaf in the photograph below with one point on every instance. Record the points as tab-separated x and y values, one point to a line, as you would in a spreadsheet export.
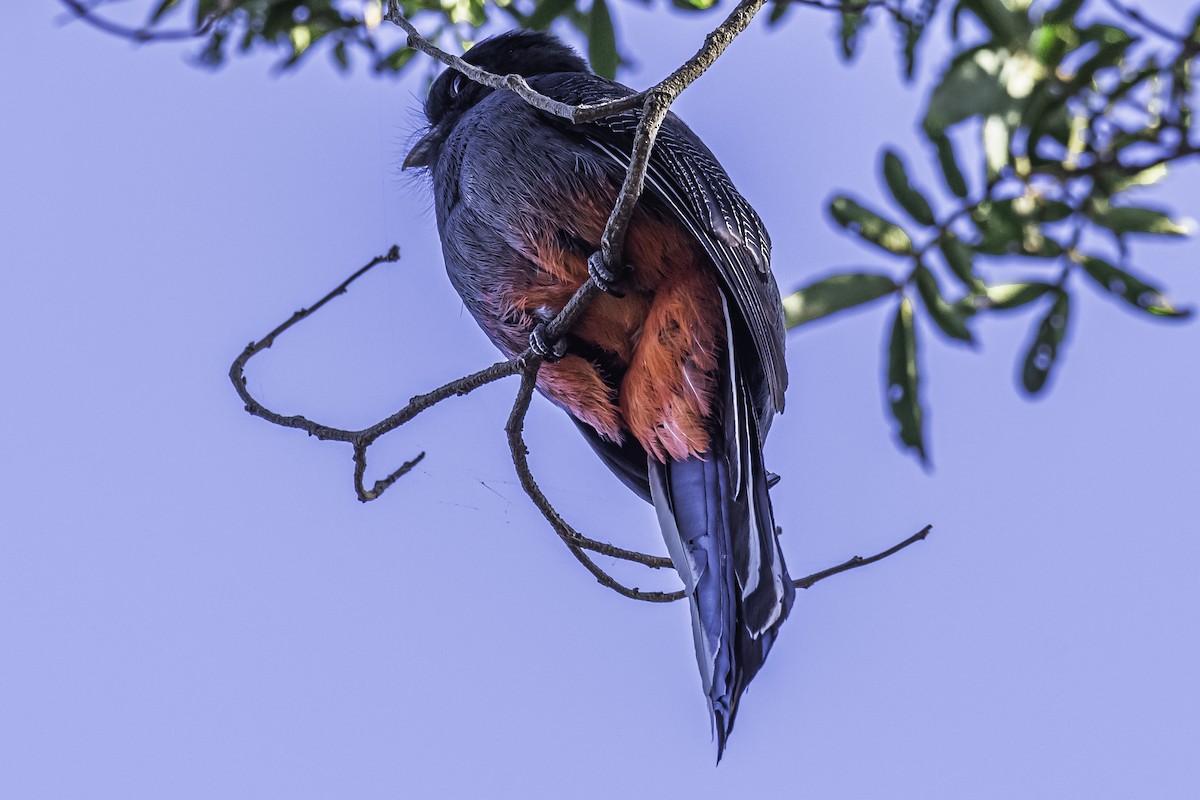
834	294
1043	350
870	226
1006	296
983	81
1051	42
1128	219
1131	289
996	136
903	381
909	198
1147	177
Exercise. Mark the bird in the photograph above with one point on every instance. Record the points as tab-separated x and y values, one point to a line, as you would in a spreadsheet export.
674	372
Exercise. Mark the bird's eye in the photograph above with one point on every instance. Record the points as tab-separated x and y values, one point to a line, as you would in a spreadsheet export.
457	85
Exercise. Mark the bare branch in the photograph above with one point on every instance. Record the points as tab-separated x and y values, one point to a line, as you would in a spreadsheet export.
859	561
143	34
571	538
361	440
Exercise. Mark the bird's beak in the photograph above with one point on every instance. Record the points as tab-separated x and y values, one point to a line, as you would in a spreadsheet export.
422	151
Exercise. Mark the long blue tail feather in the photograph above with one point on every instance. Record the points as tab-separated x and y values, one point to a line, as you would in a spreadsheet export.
716	519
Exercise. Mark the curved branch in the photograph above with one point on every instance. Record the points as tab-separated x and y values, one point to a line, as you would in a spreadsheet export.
142	34
574	541
361	440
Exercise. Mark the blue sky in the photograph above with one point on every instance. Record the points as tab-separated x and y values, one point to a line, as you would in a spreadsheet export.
193	604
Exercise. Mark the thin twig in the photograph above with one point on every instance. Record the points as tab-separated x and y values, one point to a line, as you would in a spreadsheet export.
570	537
513	83
359	439
143	34
859	561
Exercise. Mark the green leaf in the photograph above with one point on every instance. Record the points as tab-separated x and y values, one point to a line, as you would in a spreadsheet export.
602	40
779	10
546	12
909	198
1013	227
968	87
950	171
396	59
1112	43
1063	12
340	56
1043	351
987	80
161	10
1005	24
903	381
870	226
1128	219
960	259
911	36
1051	42
951	319
833	294
203	9
1131	289
853	23
1147	177
1006	296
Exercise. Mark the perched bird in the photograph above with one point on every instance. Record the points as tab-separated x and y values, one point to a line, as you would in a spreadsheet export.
674	373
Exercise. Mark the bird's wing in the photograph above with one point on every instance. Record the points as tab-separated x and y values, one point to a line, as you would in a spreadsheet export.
685	177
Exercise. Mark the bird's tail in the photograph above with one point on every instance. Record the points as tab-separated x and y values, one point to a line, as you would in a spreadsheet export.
717	522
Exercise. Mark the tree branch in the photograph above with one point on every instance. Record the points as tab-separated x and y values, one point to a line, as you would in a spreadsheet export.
859	561
142	34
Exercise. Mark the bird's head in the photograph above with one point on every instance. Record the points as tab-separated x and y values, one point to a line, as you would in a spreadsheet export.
525	53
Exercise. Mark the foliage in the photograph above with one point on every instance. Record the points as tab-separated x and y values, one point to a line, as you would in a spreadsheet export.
1068	114
1061	113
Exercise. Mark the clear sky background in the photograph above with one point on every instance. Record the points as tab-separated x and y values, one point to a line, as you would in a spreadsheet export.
193	604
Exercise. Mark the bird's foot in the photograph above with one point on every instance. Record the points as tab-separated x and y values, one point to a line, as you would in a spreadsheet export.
605	278
542	345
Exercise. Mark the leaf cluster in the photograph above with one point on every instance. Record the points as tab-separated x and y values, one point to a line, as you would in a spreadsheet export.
1069	116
